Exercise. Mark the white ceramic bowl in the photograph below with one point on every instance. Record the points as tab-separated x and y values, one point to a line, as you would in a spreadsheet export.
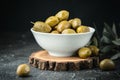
62	45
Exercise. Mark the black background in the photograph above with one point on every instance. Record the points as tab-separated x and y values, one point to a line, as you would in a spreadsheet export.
16	15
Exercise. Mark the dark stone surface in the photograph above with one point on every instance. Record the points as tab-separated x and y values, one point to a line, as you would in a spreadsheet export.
15	48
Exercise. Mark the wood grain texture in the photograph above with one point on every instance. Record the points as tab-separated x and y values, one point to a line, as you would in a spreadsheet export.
44	61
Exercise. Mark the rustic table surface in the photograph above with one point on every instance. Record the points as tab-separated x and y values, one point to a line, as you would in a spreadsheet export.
15	49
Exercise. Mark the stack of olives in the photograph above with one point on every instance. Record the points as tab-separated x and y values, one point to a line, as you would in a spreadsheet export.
59	24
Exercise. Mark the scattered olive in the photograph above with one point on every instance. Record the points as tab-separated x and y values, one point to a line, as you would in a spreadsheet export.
52	21
84	52
62	15
94	49
23	70
68	31
107	64
82	29
63	25
41	27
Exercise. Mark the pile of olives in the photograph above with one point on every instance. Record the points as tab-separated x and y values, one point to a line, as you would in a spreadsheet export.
59	24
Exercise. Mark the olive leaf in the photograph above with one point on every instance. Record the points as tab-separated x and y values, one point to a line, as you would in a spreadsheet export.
96	32
108	35
116	42
114	31
94	41
116	56
106	40
110	41
107	48
104	29
109	30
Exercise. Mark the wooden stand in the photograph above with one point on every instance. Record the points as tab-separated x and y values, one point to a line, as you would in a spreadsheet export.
44	61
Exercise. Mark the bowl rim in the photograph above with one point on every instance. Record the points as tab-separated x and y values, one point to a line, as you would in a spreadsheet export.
92	30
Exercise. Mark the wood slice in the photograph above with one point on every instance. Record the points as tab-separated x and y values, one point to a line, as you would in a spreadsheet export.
44	61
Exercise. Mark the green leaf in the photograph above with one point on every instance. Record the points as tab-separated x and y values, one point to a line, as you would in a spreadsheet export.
89	43
94	41
107	49
96	32
116	56
108	35
114	31
106	40
104	29
116	42
109	30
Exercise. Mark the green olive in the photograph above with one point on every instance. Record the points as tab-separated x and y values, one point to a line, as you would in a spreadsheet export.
82	29
23	70
75	23
55	32
52	21
55	28
94	49
63	25
84	52
70	21
41	27
68	31
62	15
107	64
